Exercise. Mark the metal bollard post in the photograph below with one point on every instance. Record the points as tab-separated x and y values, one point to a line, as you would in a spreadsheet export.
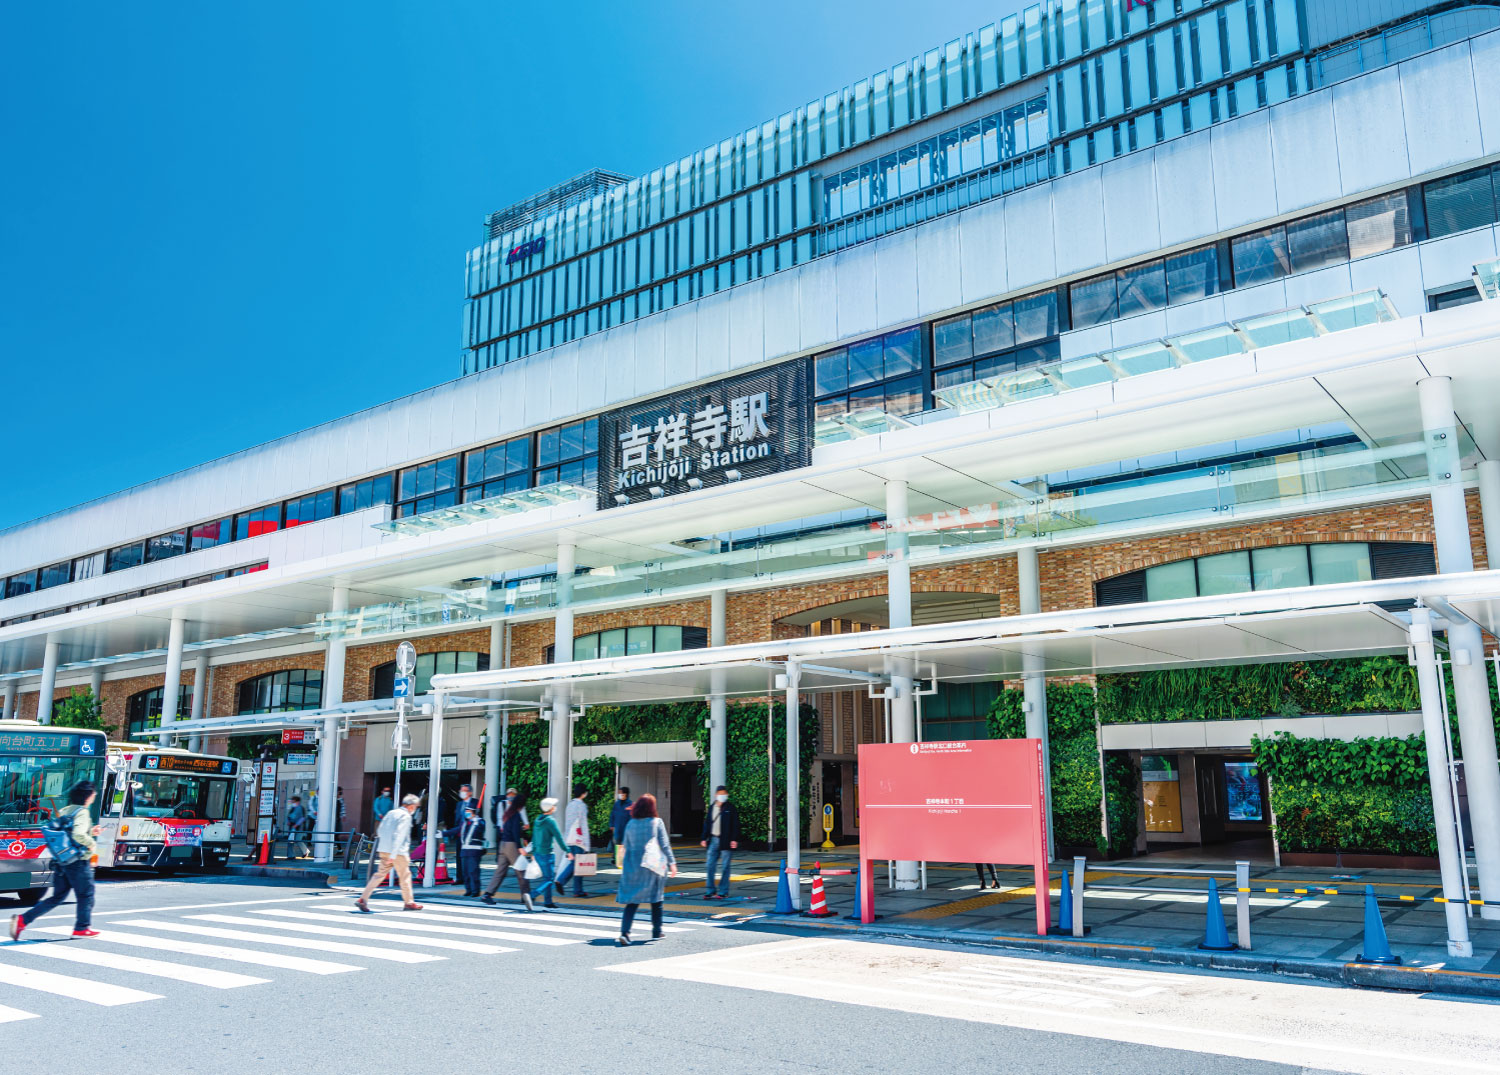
1080	862
1242	904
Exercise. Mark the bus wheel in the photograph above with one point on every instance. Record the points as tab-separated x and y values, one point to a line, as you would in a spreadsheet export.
29	896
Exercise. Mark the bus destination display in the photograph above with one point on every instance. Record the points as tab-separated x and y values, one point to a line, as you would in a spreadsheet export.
170	764
50	743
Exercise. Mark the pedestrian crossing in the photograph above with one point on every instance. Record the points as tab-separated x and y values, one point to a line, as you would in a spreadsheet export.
233	947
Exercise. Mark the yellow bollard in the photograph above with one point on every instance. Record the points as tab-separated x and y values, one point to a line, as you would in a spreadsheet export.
827	843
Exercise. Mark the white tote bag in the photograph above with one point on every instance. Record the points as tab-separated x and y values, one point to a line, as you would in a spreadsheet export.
653	858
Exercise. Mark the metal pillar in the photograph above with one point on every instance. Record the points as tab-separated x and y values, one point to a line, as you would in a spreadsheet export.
901	706
49	682
792	679
96	683
560	735
1034	677
326	823
171	687
200	688
8	712
718	710
493	774
1489	507
434	778
1450	852
1471	684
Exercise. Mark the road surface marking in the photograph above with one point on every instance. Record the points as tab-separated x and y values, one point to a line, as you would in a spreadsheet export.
575	924
14	1015
359	934
336	947
96	957
404	923
201	906
75	988
216	951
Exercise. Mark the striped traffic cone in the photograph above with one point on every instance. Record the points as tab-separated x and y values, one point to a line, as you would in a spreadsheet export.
265	850
818	903
440	871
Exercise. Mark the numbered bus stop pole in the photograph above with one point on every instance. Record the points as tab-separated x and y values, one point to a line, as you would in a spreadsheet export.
434	778
793	784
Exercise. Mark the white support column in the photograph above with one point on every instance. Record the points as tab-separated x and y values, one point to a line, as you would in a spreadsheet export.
560	735
8	712
901	707
326	823
1450	853
792	679
1034	676
200	688
434	781
49	682
171	687
1489	507
96	683
492	733
718	711
1471	683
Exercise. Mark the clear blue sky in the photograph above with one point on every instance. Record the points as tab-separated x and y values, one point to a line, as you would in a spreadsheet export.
226	222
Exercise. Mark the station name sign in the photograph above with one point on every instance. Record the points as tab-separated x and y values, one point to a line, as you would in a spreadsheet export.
742	427
525	250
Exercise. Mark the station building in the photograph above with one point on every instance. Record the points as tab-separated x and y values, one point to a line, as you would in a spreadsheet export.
1109	304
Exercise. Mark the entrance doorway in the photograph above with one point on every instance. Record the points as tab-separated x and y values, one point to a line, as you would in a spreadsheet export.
1205	805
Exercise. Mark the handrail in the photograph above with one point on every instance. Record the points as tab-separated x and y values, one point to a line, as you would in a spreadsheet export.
1241	875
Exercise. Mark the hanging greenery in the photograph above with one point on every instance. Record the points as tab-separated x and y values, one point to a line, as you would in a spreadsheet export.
756	788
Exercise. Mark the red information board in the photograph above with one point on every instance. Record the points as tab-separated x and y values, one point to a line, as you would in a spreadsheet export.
977	801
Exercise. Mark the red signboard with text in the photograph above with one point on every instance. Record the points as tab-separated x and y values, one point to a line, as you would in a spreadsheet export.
978	801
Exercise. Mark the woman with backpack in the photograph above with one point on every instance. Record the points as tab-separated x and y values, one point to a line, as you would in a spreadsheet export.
71	870
648	862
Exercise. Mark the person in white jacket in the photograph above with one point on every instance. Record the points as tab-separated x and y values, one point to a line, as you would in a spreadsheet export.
576	833
393	845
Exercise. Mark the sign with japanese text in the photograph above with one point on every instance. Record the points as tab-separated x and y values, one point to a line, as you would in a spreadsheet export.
174	764
423	764
741	427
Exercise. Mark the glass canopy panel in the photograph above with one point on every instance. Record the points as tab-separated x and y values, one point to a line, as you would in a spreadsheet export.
1209	343
1027	384
970	396
1141	358
1082	372
1487	280
1352	311
1283	327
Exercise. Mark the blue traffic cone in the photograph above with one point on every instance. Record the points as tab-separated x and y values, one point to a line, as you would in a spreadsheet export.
858	880
784	894
1376	949
1215	936
1064	908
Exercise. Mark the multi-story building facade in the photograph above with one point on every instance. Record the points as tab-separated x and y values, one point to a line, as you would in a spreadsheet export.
1118	302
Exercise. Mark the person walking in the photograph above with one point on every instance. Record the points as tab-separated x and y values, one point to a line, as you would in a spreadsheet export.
721	835
648	862
76	875
619	817
994	881
393	845
576	829
296	823
383	805
509	851
544	836
468	834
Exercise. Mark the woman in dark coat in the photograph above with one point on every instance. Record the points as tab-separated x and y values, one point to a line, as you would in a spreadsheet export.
638	884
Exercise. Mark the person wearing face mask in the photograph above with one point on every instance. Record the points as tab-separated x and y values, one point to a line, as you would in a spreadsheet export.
460	812
619	817
721	835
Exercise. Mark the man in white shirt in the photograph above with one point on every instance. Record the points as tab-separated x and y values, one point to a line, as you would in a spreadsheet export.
393	845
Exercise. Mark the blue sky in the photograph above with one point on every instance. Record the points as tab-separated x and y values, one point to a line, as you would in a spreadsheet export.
223	223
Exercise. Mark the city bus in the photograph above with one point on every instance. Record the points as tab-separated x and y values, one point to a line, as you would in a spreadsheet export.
164	808
38	764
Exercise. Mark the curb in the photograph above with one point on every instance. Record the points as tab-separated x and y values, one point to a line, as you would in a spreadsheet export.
299	875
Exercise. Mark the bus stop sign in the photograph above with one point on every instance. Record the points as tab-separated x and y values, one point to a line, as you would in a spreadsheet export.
402	688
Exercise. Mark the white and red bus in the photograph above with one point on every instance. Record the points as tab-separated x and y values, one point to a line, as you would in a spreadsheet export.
164	808
38	765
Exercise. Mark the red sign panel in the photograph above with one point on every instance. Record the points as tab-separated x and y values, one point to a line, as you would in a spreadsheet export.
975	801
294	735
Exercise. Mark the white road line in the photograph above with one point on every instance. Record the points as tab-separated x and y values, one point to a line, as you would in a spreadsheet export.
585	927
360	934
215	951
96	957
200	906
75	988
336	947
14	1015
404	922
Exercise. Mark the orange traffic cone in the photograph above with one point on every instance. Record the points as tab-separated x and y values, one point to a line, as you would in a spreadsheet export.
818	903
265	850
440	871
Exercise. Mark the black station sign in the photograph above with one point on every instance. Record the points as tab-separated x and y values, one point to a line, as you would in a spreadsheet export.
741	427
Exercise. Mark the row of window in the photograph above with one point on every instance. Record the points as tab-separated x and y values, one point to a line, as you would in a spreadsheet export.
383	679
176	584
628	641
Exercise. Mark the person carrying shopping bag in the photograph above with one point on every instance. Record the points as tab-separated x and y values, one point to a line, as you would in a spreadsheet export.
648	863
576	828
509	852
545	835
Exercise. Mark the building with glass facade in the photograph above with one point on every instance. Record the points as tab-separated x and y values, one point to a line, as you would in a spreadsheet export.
1109	304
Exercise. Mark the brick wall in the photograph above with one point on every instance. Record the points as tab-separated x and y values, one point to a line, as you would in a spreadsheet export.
224	698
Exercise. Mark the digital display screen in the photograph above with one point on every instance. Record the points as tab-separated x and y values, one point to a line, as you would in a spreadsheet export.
1242	789
39	742
166	763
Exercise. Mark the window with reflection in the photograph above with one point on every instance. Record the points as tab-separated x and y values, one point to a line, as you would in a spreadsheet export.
383	678
266	520
995	340
568	453
367	493
884	373
143	711
497	469
280	692
311	508
628	641
1260	257
427	486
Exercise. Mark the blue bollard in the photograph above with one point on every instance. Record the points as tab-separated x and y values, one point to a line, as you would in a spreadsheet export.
784	894
1215	936
858	880
1064	908
1377	949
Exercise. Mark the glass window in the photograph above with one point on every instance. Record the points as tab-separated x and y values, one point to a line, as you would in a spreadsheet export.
181	795
866	362
612	643
1459	202
831	372
546	448
1341	562
297	688
638	640
1260	257
1227	572
1166	582
1278	568
1317	241
30	783
952	340
668	639
1036	317
903	396
585	647
125	556
1094	301
1380	224
208	535
56	575
1142	289
902	352
166	546
18	585
1193	274
993	329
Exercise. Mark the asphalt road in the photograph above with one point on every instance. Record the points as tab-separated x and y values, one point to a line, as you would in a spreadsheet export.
217	975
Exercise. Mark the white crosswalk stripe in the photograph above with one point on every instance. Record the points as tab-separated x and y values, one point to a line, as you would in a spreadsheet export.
13	1015
578	925
76	988
336	947
403	921
216	951
360	934
97	957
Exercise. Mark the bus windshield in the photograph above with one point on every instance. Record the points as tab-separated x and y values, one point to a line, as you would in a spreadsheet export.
35	788
181	795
